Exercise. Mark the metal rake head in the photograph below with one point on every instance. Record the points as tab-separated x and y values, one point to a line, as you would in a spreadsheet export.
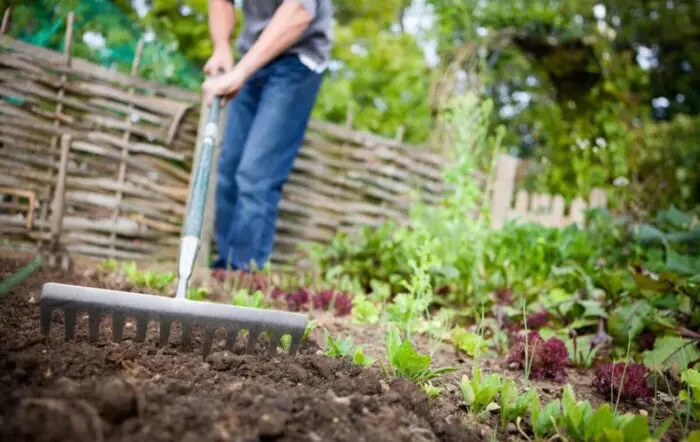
209	316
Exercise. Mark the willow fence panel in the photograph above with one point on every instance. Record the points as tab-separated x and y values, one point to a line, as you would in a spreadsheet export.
98	162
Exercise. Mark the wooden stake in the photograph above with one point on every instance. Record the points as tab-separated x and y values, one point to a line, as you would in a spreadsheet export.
502	195
5	20
58	204
349	115
125	150
400	133
67	48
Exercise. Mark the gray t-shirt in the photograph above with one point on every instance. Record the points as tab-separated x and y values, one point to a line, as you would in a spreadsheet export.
314	45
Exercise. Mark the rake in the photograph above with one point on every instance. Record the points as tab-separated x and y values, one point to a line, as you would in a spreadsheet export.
144	308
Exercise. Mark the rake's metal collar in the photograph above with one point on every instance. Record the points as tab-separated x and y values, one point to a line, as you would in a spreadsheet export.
189	246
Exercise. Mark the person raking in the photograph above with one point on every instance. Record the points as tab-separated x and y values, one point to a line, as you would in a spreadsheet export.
284	47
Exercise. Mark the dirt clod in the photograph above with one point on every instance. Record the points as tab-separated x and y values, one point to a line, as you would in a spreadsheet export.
117	399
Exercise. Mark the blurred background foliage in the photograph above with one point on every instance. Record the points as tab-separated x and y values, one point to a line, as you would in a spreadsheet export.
592	93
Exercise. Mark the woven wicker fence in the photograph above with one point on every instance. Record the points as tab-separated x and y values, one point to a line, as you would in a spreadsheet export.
97	162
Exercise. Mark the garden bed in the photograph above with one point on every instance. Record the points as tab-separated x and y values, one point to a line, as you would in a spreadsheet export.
53	390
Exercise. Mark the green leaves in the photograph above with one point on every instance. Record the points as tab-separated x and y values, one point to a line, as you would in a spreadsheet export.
344	347
244	298
382	79
628	321
671	352
479	394
364	311
543	419
513	405
691	395
471	343
406	362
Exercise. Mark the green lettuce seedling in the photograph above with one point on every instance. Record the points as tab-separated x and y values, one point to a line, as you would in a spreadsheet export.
479	394
406	362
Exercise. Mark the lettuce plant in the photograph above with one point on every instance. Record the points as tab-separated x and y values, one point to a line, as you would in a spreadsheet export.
512	404
628	381
406	362
245	299
479	394
691	395
431	390
544	359
341	302
364	311
580	422
340	348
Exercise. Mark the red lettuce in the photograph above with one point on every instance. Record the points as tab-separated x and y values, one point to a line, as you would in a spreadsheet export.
297	301
548	359
609	379
341	301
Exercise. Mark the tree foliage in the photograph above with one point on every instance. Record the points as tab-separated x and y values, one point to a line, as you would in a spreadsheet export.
580	100
381	77
594	93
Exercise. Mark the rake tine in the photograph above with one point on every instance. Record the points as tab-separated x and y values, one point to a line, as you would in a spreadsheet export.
164	333
296	341
231	339
69	316
274	341
253	334
118	305
186	338
45	312
94	317
141	329
117	326
208	340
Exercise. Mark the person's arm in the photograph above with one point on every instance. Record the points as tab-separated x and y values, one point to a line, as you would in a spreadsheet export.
288	23
222	19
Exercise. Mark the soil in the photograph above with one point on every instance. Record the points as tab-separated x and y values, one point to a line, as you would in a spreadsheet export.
51	390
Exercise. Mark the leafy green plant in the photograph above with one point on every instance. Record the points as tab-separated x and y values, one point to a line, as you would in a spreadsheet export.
244	298
344	347
197	293
360	358
364	311
543	419
431	390
286	340
147	278
479	394
406	362
579	421
110	264
512	404
338	348
473	344
671	352
691	394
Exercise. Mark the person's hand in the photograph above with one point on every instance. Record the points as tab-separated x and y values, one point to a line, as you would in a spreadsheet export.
221	60
225	85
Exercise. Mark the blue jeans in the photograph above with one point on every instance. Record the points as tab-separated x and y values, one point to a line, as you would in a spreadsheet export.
265	129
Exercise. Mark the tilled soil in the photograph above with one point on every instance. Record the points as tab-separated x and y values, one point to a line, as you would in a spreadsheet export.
107	391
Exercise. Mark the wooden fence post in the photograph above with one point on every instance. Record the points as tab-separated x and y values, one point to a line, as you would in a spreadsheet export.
58	205
121	178
503	186
67	49
5	20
